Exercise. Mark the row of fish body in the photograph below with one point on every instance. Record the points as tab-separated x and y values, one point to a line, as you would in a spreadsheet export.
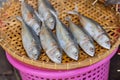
84	41
65	40
48	41
49	44
93	29
30	40
30	32
64	37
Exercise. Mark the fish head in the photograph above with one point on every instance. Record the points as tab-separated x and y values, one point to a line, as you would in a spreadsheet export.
72	52
89	48
104	41
34	53
56	56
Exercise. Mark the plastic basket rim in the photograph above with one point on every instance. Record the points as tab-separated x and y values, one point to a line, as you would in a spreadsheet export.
24	68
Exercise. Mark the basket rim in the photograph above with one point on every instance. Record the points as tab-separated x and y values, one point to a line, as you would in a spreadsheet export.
26	68
63	66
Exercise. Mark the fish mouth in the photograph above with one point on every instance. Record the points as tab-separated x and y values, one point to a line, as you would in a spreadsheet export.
104	41
57	60
74	56
89	49
34	56
106	45
55	56
73	53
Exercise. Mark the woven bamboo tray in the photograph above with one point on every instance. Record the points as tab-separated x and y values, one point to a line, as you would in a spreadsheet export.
10	32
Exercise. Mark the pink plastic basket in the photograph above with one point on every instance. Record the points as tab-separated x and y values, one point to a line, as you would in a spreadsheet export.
98	71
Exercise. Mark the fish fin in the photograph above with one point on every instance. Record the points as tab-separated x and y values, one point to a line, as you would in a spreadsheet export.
68	18
76	8
72	12
38	16
29	7
19	18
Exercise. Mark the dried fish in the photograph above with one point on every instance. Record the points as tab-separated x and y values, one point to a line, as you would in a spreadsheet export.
84	41
65	39
30	40
94	29
43	9
29	17
49	42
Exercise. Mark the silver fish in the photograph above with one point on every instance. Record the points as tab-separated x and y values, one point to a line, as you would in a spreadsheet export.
43	9
29	17
30	40
65	39
109	2
84	41
94	30
49	42
50	45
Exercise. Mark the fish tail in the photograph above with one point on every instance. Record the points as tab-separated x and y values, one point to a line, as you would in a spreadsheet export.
29	7
54	13
75	11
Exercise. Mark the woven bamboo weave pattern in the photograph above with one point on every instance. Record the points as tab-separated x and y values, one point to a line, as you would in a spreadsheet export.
10	32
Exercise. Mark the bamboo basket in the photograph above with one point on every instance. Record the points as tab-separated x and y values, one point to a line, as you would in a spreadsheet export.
10	32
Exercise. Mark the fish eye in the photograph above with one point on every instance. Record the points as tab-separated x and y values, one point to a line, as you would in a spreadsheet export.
76	53
91	49
108	42
59	57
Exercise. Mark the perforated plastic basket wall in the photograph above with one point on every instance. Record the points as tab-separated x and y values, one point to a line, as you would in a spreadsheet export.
98	71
